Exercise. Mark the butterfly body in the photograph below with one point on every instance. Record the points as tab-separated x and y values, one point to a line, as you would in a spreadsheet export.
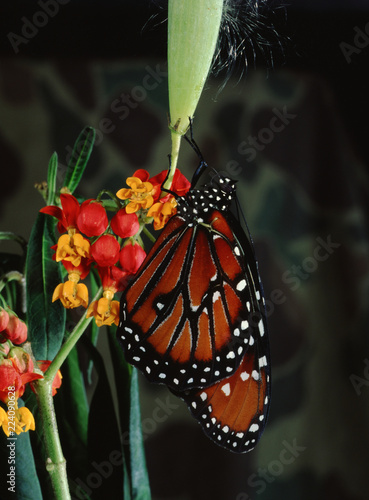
193	318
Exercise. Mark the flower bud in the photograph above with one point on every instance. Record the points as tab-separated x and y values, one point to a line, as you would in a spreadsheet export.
105	251
131	257
92	219
4	319
125	225
16	330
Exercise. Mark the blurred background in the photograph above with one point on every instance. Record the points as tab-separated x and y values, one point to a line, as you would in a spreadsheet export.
293	130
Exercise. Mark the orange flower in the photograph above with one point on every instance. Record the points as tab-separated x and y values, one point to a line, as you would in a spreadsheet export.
162	212
105	310
21	420
140	194
72	248
71	293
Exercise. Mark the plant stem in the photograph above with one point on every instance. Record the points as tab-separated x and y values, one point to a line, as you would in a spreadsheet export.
176	143
55	462
71	341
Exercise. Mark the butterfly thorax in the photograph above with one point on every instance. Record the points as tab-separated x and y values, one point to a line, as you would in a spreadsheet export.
215	195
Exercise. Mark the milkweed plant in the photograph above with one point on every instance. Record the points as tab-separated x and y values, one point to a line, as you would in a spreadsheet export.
65	286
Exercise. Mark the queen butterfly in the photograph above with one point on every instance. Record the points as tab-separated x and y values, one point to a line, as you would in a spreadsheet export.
193	317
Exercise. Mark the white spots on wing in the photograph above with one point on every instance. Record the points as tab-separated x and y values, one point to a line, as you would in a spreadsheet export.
226	389
263	362
257	294
248	305
231	355
216	296
252	340
244	376
261	328
255	375
237	251
129	330
162	375
225	429
254	428
241	285
236	332
160	306
244	325
203	396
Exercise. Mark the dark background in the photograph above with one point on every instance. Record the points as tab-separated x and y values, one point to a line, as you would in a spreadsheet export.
84	35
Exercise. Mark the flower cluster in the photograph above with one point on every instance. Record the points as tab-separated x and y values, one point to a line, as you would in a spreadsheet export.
16	371
114	247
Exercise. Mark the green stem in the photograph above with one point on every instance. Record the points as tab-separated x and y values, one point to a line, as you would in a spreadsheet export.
11	276
55	462
176	144
7	235
68	345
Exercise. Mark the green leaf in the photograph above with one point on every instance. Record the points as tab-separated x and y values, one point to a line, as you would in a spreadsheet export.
80	156
139	476
104	443
130	420
122	376
27	486
45	319
51	179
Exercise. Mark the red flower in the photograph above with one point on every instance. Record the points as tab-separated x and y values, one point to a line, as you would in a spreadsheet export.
11	377
180	185
4	319
105	251
92	219
131	257
67	215
16	330
113	278
125	225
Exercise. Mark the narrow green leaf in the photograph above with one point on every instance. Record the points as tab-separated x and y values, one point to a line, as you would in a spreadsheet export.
46	319
8	235
139	475
104	443
51	179
122	377
80	156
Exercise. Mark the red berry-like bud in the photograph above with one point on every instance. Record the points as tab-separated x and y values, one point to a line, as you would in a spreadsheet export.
131	257
105	251
92	219
4	319
16	330
125	225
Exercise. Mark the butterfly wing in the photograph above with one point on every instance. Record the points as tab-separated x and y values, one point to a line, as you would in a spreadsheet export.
233	412
187	319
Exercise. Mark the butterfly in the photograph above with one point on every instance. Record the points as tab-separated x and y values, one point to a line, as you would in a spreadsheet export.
193	318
